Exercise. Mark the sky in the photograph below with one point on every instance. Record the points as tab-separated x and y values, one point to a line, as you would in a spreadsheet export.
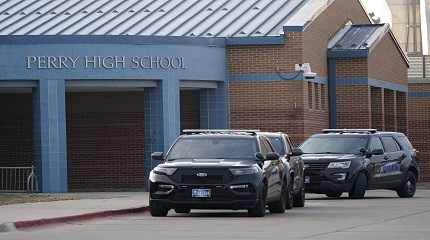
380	8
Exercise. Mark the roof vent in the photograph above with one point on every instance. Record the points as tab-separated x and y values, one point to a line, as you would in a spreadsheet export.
5	13
258	32
22	13
115	11
147	10
242	32
38	12
354	45
99	11
225	9
85	12
192	35
53	12
209	9
209	34
162	10
338	45
256	8
68	13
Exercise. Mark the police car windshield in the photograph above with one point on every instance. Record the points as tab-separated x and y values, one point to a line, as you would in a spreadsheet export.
213	148
338	144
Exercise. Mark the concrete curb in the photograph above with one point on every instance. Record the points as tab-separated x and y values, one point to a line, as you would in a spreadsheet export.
24	225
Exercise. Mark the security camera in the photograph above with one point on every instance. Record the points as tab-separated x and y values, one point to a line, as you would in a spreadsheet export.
306	69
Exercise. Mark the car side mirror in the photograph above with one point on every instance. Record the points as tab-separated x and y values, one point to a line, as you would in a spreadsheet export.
296	152
260	157
377	152
272	156
157	156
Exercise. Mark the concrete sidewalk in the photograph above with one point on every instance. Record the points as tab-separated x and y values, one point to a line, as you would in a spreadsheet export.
87	203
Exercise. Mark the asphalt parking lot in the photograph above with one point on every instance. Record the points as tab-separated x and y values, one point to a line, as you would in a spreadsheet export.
382	215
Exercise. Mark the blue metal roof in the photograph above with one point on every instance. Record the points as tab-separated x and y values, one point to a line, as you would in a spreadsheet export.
358	37
192	18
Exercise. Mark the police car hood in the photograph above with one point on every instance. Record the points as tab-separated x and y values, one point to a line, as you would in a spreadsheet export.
208	163
309	158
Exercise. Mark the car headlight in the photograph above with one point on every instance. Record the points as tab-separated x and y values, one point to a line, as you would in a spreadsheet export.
345	164
243	171
164	171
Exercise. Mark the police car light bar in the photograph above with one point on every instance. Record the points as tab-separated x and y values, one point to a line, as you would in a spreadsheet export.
199	131
349	130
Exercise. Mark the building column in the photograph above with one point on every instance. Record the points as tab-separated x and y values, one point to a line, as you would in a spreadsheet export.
402	112
390	110
162	119
377	106
49	133
214	107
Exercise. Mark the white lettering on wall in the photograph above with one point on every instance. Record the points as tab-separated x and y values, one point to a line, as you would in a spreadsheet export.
105	62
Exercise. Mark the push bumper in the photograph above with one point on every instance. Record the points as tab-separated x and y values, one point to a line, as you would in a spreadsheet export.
206	204
325	187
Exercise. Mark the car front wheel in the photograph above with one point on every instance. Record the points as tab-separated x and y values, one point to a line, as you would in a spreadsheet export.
157	209
300	198
360	186
409	187
260	208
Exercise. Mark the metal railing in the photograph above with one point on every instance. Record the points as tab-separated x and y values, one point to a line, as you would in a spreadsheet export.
18	179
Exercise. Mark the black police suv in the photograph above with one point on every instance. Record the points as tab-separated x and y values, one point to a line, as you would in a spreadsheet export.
356	160
219	169
290	156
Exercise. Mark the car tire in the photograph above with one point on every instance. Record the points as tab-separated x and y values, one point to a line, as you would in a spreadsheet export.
409	187
334	195
279	206
300	198
182	210
290	197
260	208
359	189
158	210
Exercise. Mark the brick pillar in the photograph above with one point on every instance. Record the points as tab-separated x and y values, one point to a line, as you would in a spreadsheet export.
390	110
402	112
353	107
377	106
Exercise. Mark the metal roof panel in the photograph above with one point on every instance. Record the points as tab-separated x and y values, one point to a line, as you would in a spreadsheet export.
206	18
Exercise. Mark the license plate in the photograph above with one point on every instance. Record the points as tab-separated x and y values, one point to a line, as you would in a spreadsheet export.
307	179
201	193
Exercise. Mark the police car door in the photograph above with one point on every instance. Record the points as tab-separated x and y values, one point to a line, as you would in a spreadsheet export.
376	162
390	170
271	170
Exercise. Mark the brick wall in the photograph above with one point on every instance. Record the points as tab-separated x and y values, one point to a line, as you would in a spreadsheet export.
395	70
419	126
353	107
268	106
190	109
16	131
266	59
351	68
105	140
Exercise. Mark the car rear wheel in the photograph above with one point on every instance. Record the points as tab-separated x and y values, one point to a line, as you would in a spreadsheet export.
260	208
158	210
300	198
279	206
334	195
360	186
409	187
182	210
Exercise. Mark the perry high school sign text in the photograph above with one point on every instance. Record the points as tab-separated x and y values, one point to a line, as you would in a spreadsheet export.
104	62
